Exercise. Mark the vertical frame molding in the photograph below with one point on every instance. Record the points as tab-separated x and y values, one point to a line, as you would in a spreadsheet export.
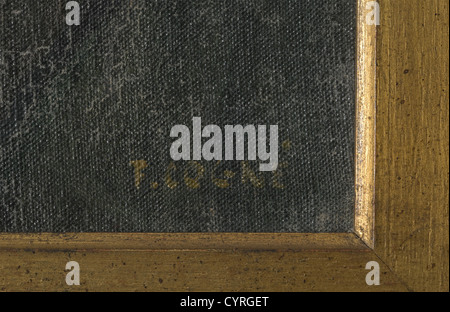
365	126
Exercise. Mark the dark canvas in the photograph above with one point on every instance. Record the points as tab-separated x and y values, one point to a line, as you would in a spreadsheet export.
82	106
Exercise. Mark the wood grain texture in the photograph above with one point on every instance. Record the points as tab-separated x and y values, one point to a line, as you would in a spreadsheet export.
412	181
411	232
205	241
193	271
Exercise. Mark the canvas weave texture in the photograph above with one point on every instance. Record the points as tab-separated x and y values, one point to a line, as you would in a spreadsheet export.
82	107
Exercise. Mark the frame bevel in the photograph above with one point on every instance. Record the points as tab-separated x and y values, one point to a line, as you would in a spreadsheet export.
365	128
364	190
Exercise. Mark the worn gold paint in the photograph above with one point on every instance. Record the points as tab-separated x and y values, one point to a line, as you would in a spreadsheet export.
286	144
139	166
365	128
229	174
412	179
412	237
194	182
169	181
249	175
222	183
277	176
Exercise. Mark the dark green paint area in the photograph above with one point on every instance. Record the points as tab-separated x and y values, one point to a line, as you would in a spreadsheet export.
78	104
